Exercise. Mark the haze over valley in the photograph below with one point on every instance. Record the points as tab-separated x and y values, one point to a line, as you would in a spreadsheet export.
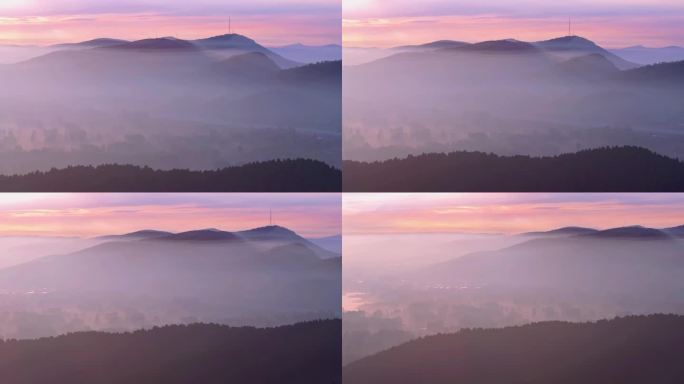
402	282
167	103
511	97
73	274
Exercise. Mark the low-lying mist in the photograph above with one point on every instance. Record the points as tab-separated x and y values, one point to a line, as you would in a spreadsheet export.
509	98
399	287
166	103
265	277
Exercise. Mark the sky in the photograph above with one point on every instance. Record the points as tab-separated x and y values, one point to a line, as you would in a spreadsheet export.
506	213
270	22
90	215
610	23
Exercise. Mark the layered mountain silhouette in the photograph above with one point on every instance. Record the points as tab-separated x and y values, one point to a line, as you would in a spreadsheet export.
264	276
573	46
143	234
634	260
565	231
510	97
270	176
168	103
435	45
635	349
94	43
647	55
235	43
617	169
310	53
670	75
298	354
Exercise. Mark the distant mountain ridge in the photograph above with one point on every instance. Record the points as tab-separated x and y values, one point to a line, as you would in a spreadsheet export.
94	43
627	350
646	55
575	45
240	43
310	53
270	233
642	263
567	47
205	275
637	232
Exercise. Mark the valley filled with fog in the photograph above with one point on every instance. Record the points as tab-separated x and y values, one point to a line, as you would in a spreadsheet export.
403	286
509	97
268	276
167	103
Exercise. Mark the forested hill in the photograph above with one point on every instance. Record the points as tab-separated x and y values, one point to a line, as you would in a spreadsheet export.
630	350
610	169
270	176
298	354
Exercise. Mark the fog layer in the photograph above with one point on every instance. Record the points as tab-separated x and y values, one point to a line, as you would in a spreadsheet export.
509	97
400	287
166	103
264	277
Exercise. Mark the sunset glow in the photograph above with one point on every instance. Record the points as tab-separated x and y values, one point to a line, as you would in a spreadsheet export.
385	23
88	215
506	213
270	22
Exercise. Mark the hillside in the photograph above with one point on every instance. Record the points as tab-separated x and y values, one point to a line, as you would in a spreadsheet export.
644	349
269	176
151	278
613	169
298	354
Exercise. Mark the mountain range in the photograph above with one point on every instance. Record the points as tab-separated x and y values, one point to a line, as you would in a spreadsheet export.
647	55
635	349
631	261
310	53
264	276
573	273
510	98
167	103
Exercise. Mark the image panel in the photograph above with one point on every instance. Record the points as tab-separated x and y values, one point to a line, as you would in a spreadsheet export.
515	288
170	96
170	288
513	96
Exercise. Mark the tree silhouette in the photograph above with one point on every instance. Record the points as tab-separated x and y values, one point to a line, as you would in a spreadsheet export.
199	353
643	349
610	169
298	175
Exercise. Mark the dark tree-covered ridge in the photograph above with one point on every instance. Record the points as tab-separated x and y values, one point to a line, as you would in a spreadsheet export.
637	349
304	353
297	175
608	169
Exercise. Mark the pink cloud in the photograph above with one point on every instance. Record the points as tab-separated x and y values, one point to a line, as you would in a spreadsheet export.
87	215
267	21
507	213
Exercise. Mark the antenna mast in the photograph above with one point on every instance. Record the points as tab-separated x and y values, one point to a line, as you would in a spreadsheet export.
230	26
270	217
